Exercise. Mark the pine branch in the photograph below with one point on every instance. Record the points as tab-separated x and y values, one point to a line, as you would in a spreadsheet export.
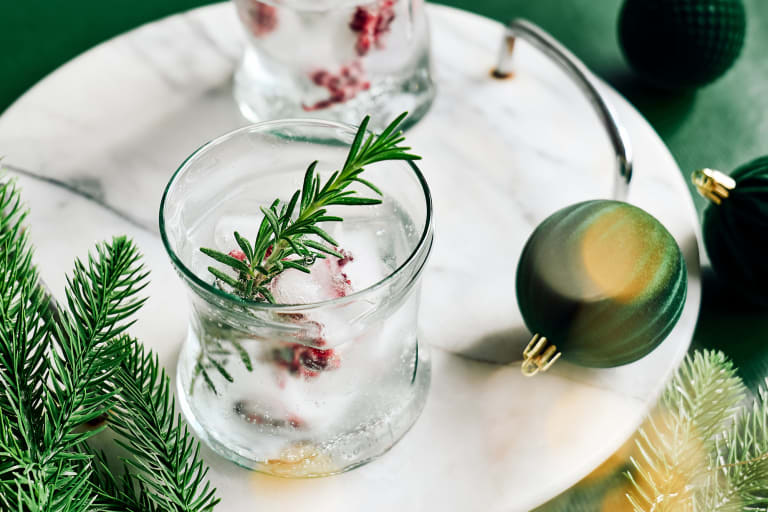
24	322
164	456
118	494
31	479
61	368
742	457
50	488
673	463
58	485
289	235
101	298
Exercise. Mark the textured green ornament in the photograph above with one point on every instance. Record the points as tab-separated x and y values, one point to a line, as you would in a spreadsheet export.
603	281
682	43
736	231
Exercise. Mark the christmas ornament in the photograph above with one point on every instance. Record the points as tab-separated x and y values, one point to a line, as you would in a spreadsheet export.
681	43
603	282
735	225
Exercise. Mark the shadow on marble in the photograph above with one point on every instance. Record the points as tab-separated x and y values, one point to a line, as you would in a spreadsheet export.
500	347
665	109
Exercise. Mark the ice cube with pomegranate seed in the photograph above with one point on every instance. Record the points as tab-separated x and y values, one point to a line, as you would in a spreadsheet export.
284	401
325	281
308	38
363	265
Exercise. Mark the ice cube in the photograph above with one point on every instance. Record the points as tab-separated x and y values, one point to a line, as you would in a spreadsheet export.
224	230
326	281
365	268
291	404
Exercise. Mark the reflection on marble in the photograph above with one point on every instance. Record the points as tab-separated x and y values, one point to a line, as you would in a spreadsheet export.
95	143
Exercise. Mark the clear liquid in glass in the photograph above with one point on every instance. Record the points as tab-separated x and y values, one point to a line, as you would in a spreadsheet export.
336	391
336	60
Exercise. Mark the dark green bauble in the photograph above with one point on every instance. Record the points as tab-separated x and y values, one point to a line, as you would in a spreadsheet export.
603	281
682	43
736	232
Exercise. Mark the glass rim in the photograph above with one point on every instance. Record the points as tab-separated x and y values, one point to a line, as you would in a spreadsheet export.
423	242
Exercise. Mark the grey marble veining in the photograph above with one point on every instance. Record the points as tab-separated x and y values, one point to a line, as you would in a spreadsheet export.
95	143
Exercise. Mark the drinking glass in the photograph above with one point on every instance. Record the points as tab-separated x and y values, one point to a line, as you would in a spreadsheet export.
311	387
334	59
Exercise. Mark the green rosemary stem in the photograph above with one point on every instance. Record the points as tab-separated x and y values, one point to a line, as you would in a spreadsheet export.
297	242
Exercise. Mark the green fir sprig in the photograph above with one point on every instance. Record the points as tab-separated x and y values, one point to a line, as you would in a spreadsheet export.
289	235
65	365
675	461
704	448
165	457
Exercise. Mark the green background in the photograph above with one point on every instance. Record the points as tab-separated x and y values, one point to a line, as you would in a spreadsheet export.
720	126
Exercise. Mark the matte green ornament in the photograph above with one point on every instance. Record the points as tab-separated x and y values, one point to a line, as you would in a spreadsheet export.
682	43
602	282
735	226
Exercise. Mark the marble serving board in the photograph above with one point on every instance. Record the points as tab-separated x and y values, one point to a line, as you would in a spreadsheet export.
94	144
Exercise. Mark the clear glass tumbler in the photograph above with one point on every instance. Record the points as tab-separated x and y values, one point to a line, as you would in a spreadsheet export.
334	59
317	387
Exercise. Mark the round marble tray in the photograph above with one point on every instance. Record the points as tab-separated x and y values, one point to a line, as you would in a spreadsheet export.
95	142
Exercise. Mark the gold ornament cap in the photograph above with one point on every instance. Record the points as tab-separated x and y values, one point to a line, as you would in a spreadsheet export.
712	184
538	356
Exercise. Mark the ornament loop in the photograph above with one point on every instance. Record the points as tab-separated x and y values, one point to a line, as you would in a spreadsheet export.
576	70
712	184
538	356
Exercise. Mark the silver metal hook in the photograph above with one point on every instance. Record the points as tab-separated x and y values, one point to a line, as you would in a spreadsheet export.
586	81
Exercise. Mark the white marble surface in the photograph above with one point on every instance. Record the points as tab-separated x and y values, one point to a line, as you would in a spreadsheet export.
95	142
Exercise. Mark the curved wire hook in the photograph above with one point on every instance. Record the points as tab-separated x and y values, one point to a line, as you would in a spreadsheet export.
586	81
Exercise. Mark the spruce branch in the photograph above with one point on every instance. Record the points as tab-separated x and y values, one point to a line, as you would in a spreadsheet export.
60	368
123	493
31	477
54	487
289	235
742	456
164	456
674	467
25	320
101	298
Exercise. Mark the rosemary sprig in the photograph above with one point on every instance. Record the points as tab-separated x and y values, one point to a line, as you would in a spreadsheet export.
289	235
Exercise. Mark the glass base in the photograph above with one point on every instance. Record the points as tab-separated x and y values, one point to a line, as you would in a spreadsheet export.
317	457
263	96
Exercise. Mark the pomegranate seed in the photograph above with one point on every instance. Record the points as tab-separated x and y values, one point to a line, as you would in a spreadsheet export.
305	361
371	23
261	18
363	44
295	421
237	254
320	77
346	257
341	87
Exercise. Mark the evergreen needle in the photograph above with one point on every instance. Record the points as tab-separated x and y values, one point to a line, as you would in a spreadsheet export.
164	456
61	367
